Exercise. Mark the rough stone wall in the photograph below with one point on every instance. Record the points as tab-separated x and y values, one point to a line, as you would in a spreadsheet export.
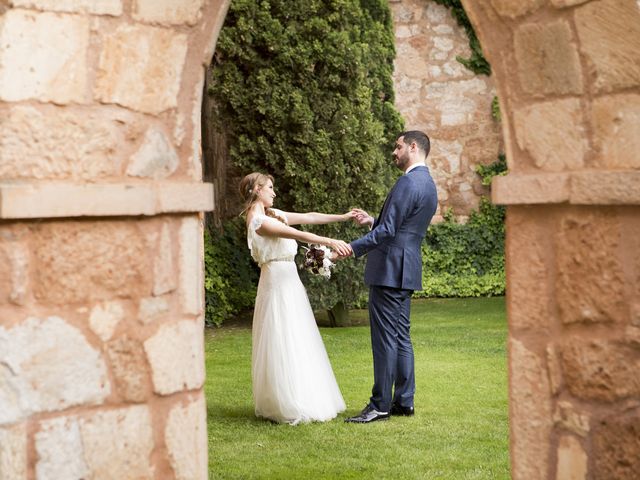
437	94
101	275
568	77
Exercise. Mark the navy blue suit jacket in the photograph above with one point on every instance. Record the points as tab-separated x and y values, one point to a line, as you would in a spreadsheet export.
393	246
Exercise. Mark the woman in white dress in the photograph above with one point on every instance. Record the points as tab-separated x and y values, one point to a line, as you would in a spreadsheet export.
292	378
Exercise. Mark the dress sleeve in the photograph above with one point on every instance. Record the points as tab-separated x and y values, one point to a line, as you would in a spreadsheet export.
256	222
281	214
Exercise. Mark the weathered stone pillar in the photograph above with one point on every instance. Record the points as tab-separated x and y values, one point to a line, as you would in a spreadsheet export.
568	75
101	275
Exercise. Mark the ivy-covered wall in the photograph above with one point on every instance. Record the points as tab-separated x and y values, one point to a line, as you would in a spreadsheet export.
436	92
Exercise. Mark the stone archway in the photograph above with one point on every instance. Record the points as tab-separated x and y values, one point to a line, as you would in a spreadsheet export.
101	302
101	185
568	76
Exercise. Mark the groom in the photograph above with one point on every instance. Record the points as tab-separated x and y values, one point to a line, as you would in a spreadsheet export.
393	272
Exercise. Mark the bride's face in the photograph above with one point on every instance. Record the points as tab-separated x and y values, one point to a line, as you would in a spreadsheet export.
266	194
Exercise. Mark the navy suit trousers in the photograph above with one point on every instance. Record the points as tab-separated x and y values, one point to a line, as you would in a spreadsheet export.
393	363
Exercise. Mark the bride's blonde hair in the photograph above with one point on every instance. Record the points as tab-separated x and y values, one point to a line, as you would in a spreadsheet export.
250	185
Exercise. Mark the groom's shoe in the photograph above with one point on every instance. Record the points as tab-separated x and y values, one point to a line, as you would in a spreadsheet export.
399	410
368	415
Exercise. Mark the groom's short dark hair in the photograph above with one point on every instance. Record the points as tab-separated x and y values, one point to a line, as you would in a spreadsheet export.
421	139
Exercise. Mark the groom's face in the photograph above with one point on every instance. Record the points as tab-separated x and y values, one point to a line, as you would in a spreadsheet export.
401	154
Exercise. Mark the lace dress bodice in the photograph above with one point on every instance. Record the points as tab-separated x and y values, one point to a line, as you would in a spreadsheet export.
265	249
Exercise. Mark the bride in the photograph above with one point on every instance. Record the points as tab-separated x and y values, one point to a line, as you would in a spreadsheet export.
292	378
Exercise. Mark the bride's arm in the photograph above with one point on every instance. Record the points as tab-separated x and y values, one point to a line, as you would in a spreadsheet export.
315	218
275	228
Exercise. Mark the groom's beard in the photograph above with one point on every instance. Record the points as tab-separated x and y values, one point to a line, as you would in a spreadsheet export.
401	162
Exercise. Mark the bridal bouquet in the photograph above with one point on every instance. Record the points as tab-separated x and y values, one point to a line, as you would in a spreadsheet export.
316	260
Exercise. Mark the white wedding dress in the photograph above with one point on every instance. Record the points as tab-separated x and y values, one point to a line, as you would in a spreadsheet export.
292	378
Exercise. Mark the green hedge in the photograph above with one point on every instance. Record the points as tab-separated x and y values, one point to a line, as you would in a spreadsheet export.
231	277
465	260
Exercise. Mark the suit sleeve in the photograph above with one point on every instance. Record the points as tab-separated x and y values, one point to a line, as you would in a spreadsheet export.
397	209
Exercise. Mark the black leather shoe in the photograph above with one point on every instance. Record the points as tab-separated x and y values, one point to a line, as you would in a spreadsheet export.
368	415
402	411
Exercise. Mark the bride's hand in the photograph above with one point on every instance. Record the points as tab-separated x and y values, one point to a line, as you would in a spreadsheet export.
361	217
350	215
342	248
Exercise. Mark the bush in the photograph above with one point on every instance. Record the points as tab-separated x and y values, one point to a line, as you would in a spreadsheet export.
230	274
465	260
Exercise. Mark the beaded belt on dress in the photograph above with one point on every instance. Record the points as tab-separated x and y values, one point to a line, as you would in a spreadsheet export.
283	259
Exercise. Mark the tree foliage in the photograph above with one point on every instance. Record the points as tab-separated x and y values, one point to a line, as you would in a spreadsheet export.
304	92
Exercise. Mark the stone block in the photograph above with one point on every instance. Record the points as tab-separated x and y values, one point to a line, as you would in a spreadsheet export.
43	57
94	7
176	357
527	189
82	262
168	12
600	370
140	67
572	459
553	134
164	272
186	440
547	59
555	370
516	8
59	450
194	168
616	128
529	294
118	443
156	158
18	257
104	319
114	444
191	280
151	309
609	34
129	368
605	187
58	143
14	265
615	444
531	413
13	452
590	280
54	200
48	365
568	417
567	3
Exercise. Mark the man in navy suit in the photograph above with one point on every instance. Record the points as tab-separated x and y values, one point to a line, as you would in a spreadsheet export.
393	272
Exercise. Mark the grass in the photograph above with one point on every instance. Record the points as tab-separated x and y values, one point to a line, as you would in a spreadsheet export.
460	430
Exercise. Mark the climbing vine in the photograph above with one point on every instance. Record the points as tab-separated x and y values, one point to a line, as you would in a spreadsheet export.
476	62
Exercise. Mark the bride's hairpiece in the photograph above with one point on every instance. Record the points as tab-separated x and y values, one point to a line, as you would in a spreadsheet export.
316	260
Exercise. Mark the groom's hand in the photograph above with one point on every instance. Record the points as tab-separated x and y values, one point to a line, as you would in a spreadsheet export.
361	217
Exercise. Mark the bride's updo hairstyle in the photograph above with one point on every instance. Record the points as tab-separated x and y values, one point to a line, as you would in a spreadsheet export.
249	187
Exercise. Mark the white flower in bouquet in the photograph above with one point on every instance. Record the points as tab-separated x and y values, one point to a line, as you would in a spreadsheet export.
317	261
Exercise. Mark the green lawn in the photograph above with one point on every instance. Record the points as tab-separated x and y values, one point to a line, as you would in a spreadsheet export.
460	430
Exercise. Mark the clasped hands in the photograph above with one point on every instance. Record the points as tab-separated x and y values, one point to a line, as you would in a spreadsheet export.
341	248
